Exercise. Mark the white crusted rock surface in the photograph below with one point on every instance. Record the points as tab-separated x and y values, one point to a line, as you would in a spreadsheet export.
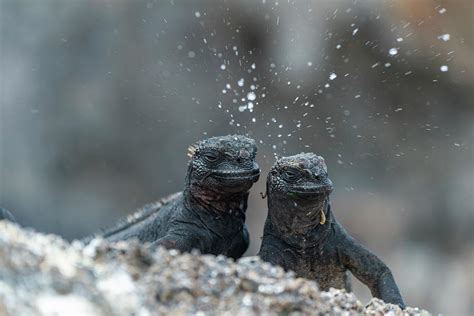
45	275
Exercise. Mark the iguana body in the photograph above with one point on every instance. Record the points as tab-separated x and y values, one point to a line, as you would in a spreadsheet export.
301	233
209	215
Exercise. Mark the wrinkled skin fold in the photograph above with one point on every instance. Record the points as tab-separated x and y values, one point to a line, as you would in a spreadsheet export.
209	214
301	233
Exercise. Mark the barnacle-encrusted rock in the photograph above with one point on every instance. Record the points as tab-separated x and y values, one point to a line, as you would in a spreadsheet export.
45	275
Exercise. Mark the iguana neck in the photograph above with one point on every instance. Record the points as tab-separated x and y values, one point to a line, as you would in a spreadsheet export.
298	222
217	204
212	202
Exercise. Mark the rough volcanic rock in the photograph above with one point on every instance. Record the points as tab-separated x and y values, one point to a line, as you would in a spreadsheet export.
45	275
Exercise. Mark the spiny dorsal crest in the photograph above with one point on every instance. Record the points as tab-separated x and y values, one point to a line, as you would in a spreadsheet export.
191	151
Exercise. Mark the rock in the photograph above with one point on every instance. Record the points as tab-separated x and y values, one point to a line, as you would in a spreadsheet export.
45	275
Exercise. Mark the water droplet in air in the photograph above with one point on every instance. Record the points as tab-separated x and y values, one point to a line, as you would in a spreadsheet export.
332	76
393	51
444	37
251	96
197	14
241	82
223	67
444	68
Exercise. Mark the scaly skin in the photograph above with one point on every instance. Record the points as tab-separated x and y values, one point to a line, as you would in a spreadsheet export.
301	233
209	215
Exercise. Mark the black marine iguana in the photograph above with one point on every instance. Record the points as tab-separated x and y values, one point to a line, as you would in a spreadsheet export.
209	214
301	233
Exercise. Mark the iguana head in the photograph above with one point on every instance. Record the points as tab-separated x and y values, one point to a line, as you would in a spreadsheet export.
302	175
299	182
224	164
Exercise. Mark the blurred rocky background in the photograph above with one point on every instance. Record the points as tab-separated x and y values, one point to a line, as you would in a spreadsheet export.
100	99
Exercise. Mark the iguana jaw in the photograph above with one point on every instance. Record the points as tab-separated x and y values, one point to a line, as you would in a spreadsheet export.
233	182
244	175
311	190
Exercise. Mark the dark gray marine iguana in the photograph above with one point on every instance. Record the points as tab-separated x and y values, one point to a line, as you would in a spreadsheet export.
209	215
301	233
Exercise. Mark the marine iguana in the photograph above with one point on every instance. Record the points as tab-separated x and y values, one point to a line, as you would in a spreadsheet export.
209	215
301	233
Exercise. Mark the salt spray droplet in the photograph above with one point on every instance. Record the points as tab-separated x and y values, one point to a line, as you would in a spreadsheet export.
242	108
251	96
444	37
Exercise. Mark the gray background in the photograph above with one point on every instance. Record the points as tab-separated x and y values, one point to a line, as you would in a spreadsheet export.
100	99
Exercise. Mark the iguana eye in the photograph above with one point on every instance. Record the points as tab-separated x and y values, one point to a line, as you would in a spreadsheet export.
212	157
290	175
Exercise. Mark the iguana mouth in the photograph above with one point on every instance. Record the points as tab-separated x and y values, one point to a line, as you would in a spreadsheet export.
238	175
310	190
